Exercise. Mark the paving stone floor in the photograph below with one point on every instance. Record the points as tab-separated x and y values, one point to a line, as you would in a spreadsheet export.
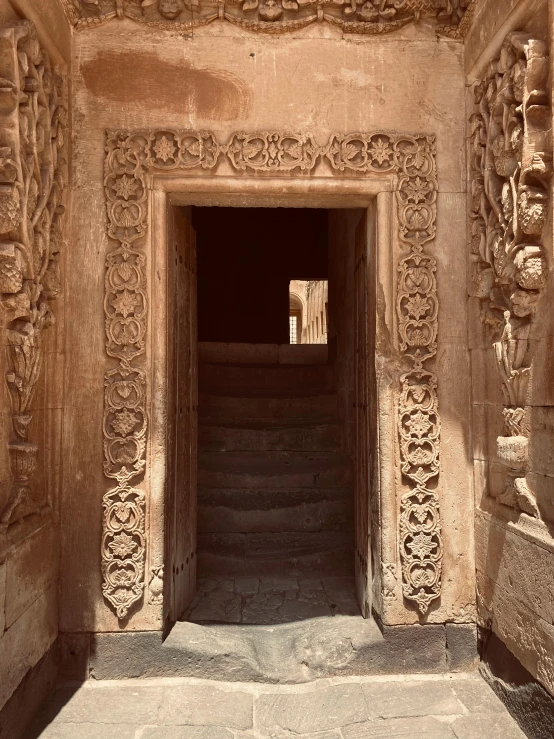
404	707
271	600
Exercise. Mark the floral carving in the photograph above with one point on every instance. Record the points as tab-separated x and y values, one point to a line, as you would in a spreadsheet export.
278	16
33	184
131	157
511	157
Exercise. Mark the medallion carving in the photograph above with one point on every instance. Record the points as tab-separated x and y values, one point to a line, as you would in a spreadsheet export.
33	178
511	159
132	157
450	17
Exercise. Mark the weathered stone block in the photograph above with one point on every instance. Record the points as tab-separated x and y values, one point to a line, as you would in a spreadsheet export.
205	705
399	728
30	569
461	647
402	699
317	710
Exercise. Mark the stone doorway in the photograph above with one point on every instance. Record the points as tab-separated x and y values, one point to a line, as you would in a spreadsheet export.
269	471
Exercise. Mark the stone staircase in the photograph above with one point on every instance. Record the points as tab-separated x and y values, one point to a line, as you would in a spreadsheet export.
274	495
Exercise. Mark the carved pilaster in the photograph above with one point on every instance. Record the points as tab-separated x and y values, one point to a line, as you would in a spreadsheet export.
511	160
33	174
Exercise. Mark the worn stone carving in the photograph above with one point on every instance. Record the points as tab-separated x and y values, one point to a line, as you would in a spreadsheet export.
511	159
33	176
389	576
156	586
132	156
452	17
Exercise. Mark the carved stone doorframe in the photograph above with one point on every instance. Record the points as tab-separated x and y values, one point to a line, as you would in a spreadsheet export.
148	171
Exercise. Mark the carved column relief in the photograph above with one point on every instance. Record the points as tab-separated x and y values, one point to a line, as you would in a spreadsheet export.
450	17
132	157
511	160
33	175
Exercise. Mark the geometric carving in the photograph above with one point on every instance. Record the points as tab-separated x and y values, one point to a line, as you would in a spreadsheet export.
33	178
511	167
131	157
372	17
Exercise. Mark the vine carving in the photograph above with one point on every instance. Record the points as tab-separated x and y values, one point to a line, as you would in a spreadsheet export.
33	178
131	158
511	158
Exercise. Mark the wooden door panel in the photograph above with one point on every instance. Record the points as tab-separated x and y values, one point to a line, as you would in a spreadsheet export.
182	427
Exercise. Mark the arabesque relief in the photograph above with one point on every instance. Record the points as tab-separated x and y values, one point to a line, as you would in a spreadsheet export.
451	17
511	160
132	159
33	178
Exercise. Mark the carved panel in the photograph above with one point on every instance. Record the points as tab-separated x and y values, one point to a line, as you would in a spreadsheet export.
511	159
33	175
451	17
132	157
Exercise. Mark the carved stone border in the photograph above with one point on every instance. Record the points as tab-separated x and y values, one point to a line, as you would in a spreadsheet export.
33	186
368	17
131	158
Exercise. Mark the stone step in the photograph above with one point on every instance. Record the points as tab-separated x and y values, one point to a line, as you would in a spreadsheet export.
232	437
270	470
259	511
295	554
223	353
265	380
320	408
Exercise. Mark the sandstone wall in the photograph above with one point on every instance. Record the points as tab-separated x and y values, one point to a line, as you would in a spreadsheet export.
128	75
514	544
30	428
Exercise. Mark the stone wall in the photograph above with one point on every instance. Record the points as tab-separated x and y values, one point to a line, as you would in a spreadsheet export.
33	198
511	288
226	80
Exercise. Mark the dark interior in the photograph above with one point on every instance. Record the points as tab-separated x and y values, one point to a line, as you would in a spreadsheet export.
246	259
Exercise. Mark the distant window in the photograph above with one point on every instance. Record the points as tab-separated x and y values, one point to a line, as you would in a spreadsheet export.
293	329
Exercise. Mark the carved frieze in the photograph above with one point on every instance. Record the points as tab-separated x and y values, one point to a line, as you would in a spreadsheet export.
452	17
132	158
511	160
33	175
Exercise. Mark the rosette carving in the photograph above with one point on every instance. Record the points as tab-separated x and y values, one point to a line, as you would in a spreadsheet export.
511	159
33	178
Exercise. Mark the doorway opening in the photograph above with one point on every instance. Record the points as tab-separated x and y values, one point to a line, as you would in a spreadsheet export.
271	459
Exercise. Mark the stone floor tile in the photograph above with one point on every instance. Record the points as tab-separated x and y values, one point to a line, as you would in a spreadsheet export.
311	711
477	696
202	705
184	732
401	728
219	605
310	583
108	703
85	731
246	585
285	583
492	726
407	698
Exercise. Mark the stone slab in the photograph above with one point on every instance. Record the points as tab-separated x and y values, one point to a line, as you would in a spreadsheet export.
318	710
400	728
106	703
206	706
477	697
492	727
184	732
87	731
402	699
